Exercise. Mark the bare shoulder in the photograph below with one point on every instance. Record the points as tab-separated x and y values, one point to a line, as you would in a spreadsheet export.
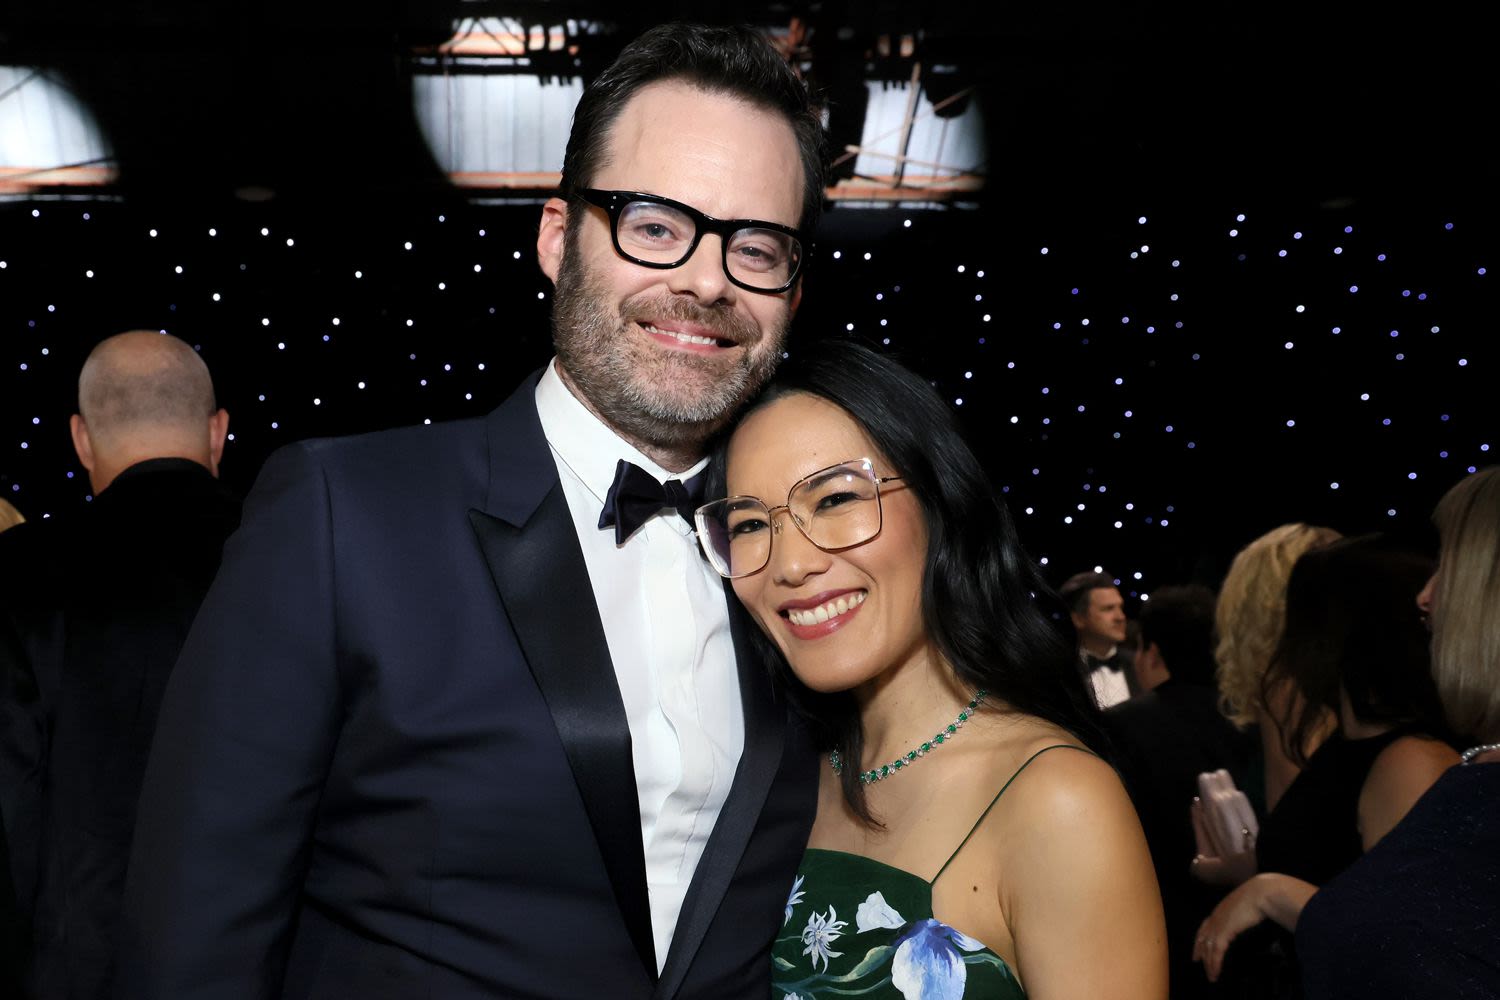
1409	763
1399	776
1062	789
1416	753
1075	867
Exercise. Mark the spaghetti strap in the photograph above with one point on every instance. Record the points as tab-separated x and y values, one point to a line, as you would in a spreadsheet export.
1055	746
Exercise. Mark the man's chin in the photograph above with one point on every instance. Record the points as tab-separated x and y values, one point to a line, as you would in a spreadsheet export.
691	411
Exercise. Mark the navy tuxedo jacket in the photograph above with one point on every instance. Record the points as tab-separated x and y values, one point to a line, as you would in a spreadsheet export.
393	760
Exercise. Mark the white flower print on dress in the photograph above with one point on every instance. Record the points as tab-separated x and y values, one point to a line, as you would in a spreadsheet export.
819	934
793	899
876	912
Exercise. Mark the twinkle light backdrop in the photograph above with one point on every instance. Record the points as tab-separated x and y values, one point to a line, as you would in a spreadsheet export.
1150	387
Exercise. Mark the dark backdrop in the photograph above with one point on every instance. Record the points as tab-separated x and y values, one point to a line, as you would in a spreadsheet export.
1353	147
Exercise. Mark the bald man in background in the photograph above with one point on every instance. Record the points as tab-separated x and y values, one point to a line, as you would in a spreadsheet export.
94	610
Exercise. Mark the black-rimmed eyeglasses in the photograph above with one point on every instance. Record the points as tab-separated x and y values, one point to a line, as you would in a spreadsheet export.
653	231
834	508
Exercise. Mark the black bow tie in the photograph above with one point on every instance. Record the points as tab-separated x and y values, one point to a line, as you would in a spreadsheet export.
1092	663
635	497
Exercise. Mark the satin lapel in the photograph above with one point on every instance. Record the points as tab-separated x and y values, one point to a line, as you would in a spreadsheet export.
538	568
765	731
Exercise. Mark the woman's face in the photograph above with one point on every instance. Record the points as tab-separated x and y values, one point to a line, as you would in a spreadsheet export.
877	584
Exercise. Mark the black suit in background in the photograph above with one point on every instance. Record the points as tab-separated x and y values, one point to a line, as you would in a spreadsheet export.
1164	739
13	940
95	610
394	761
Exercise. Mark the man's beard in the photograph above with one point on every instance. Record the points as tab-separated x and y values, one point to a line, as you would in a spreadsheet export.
649	395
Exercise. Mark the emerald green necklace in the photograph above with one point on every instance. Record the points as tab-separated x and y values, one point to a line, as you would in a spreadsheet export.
901	763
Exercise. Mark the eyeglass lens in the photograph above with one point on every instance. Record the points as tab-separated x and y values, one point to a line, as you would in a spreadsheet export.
762	258
834	509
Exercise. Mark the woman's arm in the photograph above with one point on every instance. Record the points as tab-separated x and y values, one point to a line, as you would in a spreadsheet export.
1080	891
1399	777
1267	896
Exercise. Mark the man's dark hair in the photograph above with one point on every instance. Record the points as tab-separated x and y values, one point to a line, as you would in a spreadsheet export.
737	61
982	597
1076	589
1180	620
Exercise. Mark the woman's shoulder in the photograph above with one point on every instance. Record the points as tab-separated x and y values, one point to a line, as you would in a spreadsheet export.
1413	747
1053	779
1410	758
1399	776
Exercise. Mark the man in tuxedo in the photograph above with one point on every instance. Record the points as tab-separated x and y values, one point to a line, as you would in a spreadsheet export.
1164	738
466	715
1098	614
96	606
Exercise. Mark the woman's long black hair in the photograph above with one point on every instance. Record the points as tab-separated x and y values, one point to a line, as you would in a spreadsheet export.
982	596
1352	624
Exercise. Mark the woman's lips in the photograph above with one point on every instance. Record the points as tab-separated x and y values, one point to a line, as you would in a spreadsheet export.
809	620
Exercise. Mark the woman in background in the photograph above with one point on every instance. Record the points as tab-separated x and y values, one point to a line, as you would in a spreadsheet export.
1249	617
967	843
1353	646
9	516
1419	914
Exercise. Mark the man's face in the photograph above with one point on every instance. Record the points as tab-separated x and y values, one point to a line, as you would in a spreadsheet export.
667	356
1104	620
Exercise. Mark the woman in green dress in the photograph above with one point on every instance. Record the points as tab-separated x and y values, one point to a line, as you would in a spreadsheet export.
865	540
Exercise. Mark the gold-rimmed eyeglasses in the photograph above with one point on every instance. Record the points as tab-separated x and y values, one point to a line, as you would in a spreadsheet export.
834	508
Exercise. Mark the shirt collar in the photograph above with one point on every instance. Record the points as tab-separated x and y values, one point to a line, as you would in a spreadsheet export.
1108	659
587	445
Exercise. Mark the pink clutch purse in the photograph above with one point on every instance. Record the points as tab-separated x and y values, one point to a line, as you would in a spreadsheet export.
1229	819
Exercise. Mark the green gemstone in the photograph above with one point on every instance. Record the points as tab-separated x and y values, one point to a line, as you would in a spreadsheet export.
963	716
885	769
911	756
899	764
926	747
952	730
939	738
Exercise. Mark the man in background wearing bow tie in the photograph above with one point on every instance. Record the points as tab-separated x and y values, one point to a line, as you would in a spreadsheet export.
1098	613
465	714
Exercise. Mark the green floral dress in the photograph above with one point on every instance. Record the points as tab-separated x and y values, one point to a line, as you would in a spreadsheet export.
855	927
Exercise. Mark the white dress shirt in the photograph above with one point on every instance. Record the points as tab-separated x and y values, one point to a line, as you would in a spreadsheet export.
1109	687
667	626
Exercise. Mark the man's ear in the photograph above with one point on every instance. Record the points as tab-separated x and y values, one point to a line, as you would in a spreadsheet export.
549	238
218	431
1078	620
796	299
81	443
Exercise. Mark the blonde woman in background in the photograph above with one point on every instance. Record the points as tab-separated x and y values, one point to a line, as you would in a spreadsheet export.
1417	915
9	516
1249	619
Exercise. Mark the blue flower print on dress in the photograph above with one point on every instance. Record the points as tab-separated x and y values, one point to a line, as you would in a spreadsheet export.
889	947
927	964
